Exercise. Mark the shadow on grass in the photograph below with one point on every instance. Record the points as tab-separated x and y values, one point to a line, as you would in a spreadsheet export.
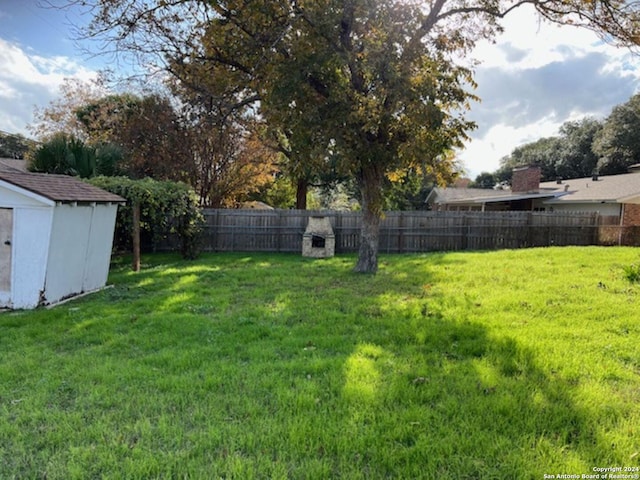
272	366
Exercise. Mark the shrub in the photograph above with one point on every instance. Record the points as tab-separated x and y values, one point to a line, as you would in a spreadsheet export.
632	272
64	154
166	208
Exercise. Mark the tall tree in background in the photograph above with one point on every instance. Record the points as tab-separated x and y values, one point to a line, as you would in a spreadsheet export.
14	145
577	158
618	142
382	82
60	115
569	155
230	162
148	130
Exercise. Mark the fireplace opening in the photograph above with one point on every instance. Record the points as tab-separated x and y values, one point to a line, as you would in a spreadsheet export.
317	241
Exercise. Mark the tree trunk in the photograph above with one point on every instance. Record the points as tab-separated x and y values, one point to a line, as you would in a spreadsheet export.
135	233
302	188
371	188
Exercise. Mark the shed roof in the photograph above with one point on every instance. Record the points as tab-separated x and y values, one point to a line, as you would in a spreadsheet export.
59	188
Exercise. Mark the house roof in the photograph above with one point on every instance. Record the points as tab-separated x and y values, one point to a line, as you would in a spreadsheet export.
606	189
483	195
59	188
624	188
12	165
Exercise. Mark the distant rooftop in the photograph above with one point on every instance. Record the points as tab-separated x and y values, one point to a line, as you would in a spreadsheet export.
12	165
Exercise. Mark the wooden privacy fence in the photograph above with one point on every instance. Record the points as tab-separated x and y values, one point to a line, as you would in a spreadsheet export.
413	231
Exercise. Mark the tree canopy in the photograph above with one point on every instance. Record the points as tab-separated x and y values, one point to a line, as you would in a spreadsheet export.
618	142
369	87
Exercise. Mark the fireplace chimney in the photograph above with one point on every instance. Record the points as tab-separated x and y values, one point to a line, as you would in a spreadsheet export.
526	179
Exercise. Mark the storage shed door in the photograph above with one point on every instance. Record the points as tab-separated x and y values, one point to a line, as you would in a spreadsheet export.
6	237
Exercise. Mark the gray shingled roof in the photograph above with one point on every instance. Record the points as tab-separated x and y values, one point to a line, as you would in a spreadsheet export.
12	165
59	188
609	189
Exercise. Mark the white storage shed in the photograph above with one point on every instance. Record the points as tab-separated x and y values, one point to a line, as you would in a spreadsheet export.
56	235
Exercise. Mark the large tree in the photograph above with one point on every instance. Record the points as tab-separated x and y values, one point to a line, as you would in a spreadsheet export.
59	116
618	142
14	145
384	83
147	128
568	155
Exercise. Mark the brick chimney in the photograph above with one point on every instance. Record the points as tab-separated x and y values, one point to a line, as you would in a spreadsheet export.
526	179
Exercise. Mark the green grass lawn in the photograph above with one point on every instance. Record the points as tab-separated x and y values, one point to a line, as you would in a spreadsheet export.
505	365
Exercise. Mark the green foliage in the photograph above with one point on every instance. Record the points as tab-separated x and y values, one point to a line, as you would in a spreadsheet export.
67	155
14	145
618	143
165	207
279	194
568	155
577	158
632	272
468	365
109	157
484	180
64	154
407	191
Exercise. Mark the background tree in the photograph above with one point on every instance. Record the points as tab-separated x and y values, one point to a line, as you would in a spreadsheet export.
618	142
231	163
568	155
64	154
382	82
147	129
60	115
14	145
484	180
576	157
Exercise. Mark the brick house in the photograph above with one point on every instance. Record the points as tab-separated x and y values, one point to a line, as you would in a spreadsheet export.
616	197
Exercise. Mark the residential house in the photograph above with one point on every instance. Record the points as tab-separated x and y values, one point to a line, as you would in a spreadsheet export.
613	196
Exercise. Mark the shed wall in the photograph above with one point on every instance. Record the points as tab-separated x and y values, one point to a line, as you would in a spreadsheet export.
80	249
31	231
67	251
100	240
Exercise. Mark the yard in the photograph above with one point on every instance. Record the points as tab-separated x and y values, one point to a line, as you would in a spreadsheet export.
508	364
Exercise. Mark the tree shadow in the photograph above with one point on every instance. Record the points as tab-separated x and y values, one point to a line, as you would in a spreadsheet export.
466	402
341	375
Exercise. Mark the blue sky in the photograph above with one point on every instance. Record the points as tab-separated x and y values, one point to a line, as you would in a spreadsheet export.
533	79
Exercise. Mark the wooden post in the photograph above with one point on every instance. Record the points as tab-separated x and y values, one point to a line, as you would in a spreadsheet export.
135	232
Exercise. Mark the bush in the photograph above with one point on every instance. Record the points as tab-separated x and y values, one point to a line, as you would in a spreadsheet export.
632	272
64	154
165	208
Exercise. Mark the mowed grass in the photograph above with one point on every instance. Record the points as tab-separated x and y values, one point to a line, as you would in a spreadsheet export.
505	365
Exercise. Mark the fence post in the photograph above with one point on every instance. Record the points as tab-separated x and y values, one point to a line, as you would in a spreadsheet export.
135	223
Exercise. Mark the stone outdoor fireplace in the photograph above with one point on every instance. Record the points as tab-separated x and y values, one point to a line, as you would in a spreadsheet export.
318	240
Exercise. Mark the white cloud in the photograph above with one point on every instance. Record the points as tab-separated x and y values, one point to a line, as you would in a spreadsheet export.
483	154
28	80
537	76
